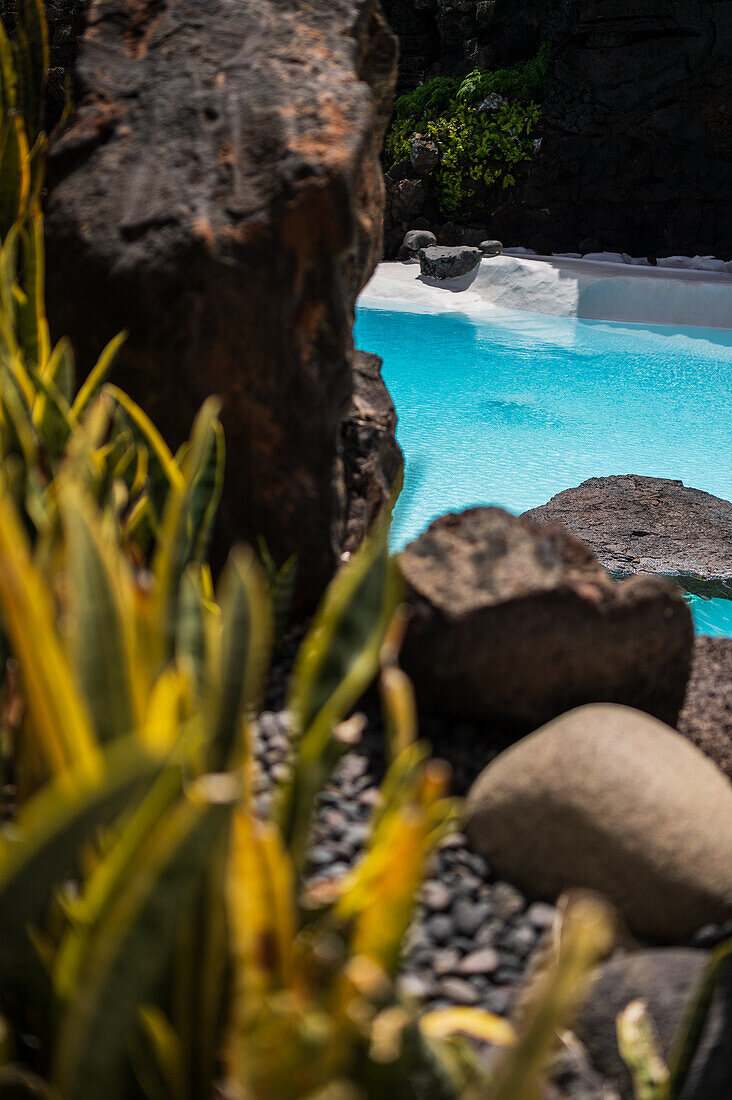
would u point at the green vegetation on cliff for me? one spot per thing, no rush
(482, 125)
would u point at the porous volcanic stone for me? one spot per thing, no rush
(666, 979)
(443, 262)
(706, 718)
(513, 624)
(612, 800)
(491, 248)
(218, 192)
(650, 525)
(371, 455)
(414, 240)
(424, 155)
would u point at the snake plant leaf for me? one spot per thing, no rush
(190, 631)
(8, 272)
(474, 1022)
(51, 418)
(689, 1035)
(108, 671)
(335, 664)
(196, 485)
(260, 897)
(206, 490)
(163, 474)
(96, 377)
(61, 370)
(246, 637)
(43, 846)
(639, 1047)
(8, 76)
(586, 935)
(31, 319)
(129, 945)
(32, 37)
(14, 174)
(57, 715)
(158, 1057)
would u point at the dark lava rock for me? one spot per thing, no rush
(372, 458)
(414, 240)
(666, 979)
(491, 248)
(423, 155)
(706, 718)
(218, 192)
(443, 262)
(406, 199)
(650, 525)
(513, 624)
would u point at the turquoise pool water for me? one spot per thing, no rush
(514, 407)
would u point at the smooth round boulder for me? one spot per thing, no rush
(444, 262)
(491, 248)
(609, 799)
(414, 240)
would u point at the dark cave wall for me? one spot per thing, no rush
(637, 133)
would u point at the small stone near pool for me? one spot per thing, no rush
(443, 262)
(609, 799)
(414, 240)
(513, 624)
(491, 248)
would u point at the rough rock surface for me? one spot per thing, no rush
(612, 800)
(439, 262)
(413, 241)
(640, 524)
(65, 19)
(707, 715)
(218, 191)
(636, 150)
(513, 624)
(666, 979)
(372, 458)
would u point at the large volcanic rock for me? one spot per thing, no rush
(218, 192)
(608, 799)
(650, 525)
(707, 715)
(513, 624)
(372, 457)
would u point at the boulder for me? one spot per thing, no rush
(372, 457)
(491, 248)
(513, 624)
(443, 262)
(609, 799)
(423, 155)
(706, 718)
(650, 525)
(414, 240)
(666, 979)
(218, 192)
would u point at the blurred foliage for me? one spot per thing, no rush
(482, 126)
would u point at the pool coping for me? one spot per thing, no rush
(563, 287)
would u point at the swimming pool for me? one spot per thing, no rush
(512, 407)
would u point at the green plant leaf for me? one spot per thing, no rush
(129, 945)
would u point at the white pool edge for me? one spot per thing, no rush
(560, 287)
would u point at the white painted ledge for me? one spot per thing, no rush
(562, 287)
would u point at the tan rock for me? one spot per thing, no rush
(610, 799)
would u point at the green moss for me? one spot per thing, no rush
(480, 150)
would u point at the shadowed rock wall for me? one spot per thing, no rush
(218, 192)
(637, 134)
